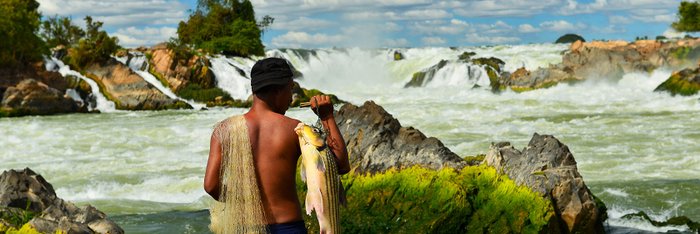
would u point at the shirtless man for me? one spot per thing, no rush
(275, 145)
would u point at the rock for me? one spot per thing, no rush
(31, 97)
(421, 78)
(28, 190)
(398, 55)
(179, 74)
(547, 166)
(523, 80)
(466, 56)
(300, 95)
(685, 82)
(569, 38)
(128, 90)
(576, 45)
(376, 142)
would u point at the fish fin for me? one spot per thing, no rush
(309, 206)
(319, 205)
(302, 172)
(343, 199)
(319, 164)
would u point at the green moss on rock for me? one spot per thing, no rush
(418, 200)
(304, 95)
(685, 83)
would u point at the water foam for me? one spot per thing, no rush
(103, 105)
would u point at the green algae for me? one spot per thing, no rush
(676, 84)
(475, 199)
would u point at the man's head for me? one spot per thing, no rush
(271, 81)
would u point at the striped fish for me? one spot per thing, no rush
(320, 172)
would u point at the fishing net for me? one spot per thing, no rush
(239, 209)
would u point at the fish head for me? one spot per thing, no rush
(310, 135)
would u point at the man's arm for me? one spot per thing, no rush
(335, 141)
(211, 176)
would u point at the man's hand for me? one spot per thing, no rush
(322, 106)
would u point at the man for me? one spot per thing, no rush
(253, 157)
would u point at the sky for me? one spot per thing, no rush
(392, 23)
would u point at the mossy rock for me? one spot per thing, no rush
(199, 94)
(398, 55)
(684, 83)
(569, 38)
(304, 95)
(674, 221)
(492, 62)
(420, 78)
(24, 229)
(419, 200)
(466, 56)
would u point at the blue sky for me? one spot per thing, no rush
(393, 23)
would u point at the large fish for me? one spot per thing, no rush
(320, 172)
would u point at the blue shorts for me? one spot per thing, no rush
(296, 227)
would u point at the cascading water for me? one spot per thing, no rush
(233, 75)
(138, 64)
(103, 104)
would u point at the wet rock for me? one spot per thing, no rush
(27, 190)
(685, 83)
(128, 90)
(523, 80)
(180, 73)
(421, 78)
(31, 97)
(398, 55)
(547, 166)
(376, 141)
(466, 56)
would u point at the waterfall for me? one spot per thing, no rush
(138, 64)
(232, 75)
(103, 104)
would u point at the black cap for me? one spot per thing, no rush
(270, 71)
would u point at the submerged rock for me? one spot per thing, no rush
(128, 90)
(25, 191)
(421, 78)
(685, 82)
(376, 141)
(547, 166)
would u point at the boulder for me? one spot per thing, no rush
(547, 167)
(128, 90)
(685, 82)
(523, 80)
(179, 74)
(569, 38)
(31, 97)
(421, 78)
(376, 141)
(26, 190)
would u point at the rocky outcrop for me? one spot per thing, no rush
(547, 166)
(685, 82)
(31, 97)
(376, 141)
(180, 73)
(128, 90)
(421, 78)
(523, 80)
(491, 65)
(26, 191)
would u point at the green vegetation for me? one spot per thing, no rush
(677, 84)
(25, 229)
(61, 31)
(466, 56)
(19, 42)
(570, 38)
(475, 199)
(222, 26)
(95, 47)
(16, 221)
(688, 17)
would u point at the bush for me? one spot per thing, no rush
(420, 200)
(570, 38)
(96, 47)
(199, 94)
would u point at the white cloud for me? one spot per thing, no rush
(302, 23)
(661, 18)
(401, 42)
(118, 12)
(432, 27)
(433, 41)
(479, 39)
(618, 19)
(527, 28)
(301, 39)
(495, 8)
(561, 26)
(135, 37)
(672, 33)
(426, 14)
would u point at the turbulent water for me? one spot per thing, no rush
(636, 149)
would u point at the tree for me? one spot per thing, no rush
(95, 47)
(265, 23)
(61, 31)
(223, 26)
(569, 38)
(19, 24)
(688, 17)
